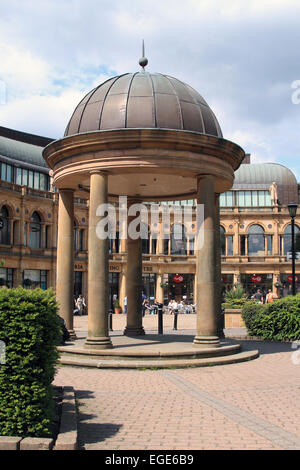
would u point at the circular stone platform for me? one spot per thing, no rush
(153, 351)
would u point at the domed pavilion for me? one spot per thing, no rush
(149, 137)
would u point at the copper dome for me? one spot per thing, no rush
(143, 100)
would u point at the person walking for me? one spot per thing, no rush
(80, 304)
(270, 296)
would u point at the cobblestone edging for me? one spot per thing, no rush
(67, 433)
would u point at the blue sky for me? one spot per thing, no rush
(243, 57)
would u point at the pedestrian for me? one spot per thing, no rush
(75, 309)
(258, 297)
(80, 304)
(125, 304)
(270, 296)
(144, 306)
(175, 307)
(170, 307)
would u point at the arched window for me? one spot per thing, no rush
(178, 240)
(256, 240)
(222, 241)
(287, 239)
(4, 226)
(35, 231)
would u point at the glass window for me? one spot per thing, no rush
(77, 283)
(261, 198)
(113, 289)
(178, 240)
(243, 245)
(222, 200)
(287, 239)
(149, 281)
(43, 182)
(9, 173)
(154, 245)
(227, 199)
(3, 171)
(268, 201)
(4, 226)
(248, 198)
(222, 241)
(34, 278)
(230, 245)
(269, 244)
(30, 179)
(36, 180)
(145, 239)
(6, 277)
(192, 244)
(256, 240)
(19, 176)
(35, 231)
(254, 199)
(240, 198)
(25, 177)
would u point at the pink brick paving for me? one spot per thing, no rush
(252, 405)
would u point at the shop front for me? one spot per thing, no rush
(286, 284)
(181, 287)
(35, 278)
(253, 282)
(6, 277)
(227, 282)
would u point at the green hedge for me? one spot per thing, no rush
(278, 320)
(30, 329)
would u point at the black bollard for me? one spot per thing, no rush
(160, 319)
(110, 320)
(175, 320)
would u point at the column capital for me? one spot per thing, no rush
(66, 189)
(99, 172)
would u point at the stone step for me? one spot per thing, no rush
(157, 364)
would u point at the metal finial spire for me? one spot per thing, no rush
(143, 60)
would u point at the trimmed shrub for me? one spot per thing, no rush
(250, 312)
(278, 320)
(30, 329)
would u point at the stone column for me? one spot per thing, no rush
(134, 283)
(65, 258)
(218, 266)
(122, 289)
(159, 294)
(98, 272)
(206, 268)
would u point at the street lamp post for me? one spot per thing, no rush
(293, 211)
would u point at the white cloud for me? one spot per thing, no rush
(242, 56)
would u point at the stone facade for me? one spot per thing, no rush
(22, 202)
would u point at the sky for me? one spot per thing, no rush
(242, 56)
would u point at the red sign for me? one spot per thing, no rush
(178, 278)
(290, 278)
(256, 278)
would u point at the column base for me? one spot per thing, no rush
(134, 331)
(72, 335)
(98, 342)
(207, 341)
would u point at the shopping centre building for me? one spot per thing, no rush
(255, 230)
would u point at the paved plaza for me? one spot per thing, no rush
(250, 405)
